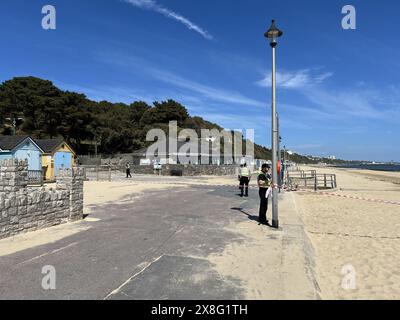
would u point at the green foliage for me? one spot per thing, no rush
(34, 100)
(137, 110)
(198, 123)
(42, 110)
(164, 112)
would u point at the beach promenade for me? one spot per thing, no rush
(164, 238)
(195, 238)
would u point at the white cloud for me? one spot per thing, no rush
(205, 92)
(347, 105)
(358, 101)
(295, 79)
(211, 93)
(347, 102)
(113, 94)
(154, 6)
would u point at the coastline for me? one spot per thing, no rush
(370, 167)
(364, 235)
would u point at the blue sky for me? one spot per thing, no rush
(338, 90)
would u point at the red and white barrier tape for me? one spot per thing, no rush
(275, 186)
(331, 194)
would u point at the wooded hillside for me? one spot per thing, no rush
(42, 110)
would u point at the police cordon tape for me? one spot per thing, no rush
(329, 194)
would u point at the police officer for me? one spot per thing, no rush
(128, 170)
(245, 176)
(264, 182)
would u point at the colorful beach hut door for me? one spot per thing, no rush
(62, 160)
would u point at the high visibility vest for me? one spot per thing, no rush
(268, 180)
(245, 172)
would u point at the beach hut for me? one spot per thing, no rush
(57, 154)
(21, 148)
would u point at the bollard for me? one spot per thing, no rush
(315, 183)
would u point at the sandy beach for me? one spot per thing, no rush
(362, 235)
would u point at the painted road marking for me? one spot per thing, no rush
(48, 253)
(147, 265)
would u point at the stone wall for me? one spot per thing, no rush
(189, 170)
(71, 181)
(24, 209)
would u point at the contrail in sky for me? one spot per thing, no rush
(154, 6)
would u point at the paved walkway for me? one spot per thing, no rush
(197, 242)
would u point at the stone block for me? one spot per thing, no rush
(14, 220)
(25, 209)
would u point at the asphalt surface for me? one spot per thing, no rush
(151, 248)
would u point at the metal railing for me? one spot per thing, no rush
(35, 177)
(311, 179)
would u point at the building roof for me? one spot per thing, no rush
(49, 145)
(10, 142)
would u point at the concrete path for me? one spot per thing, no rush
(196, 242)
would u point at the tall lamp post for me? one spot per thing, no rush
(284, 164)
(273, 34)
(279, 154)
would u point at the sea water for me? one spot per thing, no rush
(376, 167)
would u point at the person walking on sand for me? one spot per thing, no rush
(128, 170)
(244, 177)
(264, 182)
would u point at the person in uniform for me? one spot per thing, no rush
(264, 182)
(128, 170)
(244, 177)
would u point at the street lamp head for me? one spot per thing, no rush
(273, 34)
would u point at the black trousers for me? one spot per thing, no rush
(262, 218)
(244, 185)
(128, 173)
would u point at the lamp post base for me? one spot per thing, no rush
(275, 224)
